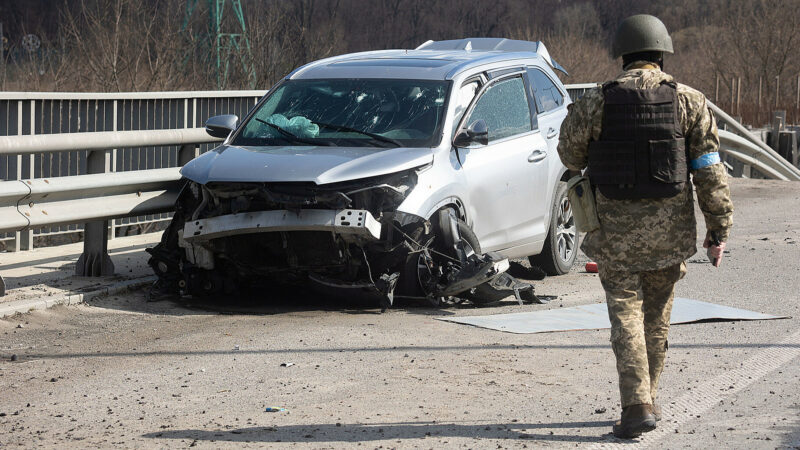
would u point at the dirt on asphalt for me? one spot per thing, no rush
(122, 372)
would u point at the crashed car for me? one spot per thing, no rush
(415, 173)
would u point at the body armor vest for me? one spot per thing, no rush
(641, 152)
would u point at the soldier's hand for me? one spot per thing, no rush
(715, 251)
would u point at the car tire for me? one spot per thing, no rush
(448, 240)
(410, 283)
(561, 245)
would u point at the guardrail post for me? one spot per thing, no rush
(787, 146)
(186, 153)
(95, 262)
(112, 224)
(23, 240)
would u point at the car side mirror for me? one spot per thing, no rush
(477, 132)
(221, 126)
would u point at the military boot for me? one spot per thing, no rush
(636, 419)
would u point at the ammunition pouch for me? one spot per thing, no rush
(584, 208)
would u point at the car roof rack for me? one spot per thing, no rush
(494, 45)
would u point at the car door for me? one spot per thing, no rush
(550, 107)
(503, 198)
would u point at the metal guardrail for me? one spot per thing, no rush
(46, 113)
(94, 198)
(749, 149)
(66, 200)
(37, 202)
(576, 91)
(102, 140)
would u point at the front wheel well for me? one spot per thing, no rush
(451, 203)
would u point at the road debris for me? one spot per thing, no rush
(591, 267)
(287, 364)
(274, 409)
(518, 270)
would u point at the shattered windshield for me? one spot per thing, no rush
(349, 112)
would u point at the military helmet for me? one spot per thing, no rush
(641, 33)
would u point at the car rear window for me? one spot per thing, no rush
(547, 95)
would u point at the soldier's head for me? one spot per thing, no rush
(642, 38)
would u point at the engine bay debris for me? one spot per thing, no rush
(346, 237)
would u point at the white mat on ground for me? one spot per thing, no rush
(595, 316)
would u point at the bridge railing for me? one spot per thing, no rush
(67, 114)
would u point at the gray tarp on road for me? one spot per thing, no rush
(595, 316)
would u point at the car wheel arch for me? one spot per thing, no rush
(454, 203)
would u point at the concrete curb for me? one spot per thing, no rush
(24, 306)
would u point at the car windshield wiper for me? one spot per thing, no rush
(374, 136)
(290, 136)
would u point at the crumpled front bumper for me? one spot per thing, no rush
(349, 223)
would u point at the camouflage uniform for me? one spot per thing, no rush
(641, 244)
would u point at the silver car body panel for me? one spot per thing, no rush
(346, 222)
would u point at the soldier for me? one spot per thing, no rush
(641, 135)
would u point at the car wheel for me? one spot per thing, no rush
(417, 275)
(561, 245)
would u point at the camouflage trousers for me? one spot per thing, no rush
(639, 307)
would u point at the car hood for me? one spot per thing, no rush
(320, 165)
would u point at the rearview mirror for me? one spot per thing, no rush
(221, 126)
(477, 132)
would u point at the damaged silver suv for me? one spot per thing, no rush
(399, 172)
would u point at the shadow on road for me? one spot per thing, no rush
(791, 438)
(394, 431)
(278, 299)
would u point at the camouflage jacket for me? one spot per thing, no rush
(651, 234)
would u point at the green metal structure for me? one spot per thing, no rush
(225, 45)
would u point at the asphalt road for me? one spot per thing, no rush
(123, 372)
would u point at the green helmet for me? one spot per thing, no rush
(641, 33)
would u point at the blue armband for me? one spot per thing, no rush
(709, 159)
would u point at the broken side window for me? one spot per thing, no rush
(505, 109)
